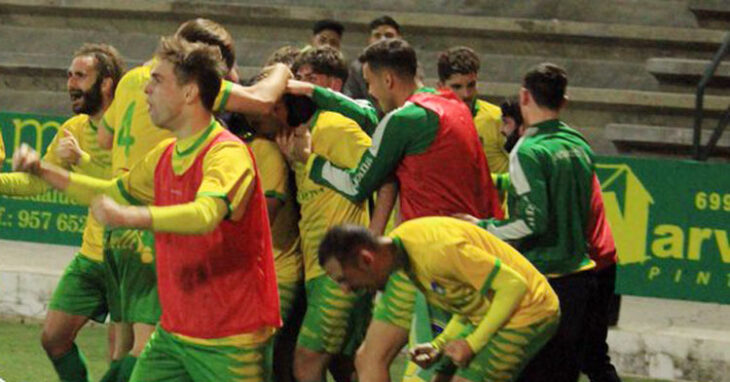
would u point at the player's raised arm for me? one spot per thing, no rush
(259, 98)
(80, 187)
(360, 111)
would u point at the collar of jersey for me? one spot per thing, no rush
(474, 107)
(199, 141)
(401, 255)
(92, 124)
(425, 89)
(550, 123)
(313, 120)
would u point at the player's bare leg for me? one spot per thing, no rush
(59, 332)
(382, 343)
(309, 365)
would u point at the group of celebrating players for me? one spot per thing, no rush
(235, 232)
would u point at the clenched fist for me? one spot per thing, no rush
(25, 159)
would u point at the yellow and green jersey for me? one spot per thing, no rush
(229, 170)
(454, 263)
(95, 162)
(342, 142)
(488, 121)
(275, 182)
(128, 118)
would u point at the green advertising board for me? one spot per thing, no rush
(48, 218)
(671, 221)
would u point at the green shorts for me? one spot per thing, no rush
(508, 351)
(169, 358)
(396, 304)
(130, 260)
(335, 321)
(82, 290)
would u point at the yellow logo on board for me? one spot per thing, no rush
(630, 221)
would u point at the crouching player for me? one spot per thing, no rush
(503, 309)
(215, 267)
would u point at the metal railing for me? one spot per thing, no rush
(697, 151)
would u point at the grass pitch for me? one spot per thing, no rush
(23, 360)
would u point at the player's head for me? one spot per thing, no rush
(324, 66)
(458, 69)
(383, 27)
(386, 64)
(350, 256)
(186, 80)
(513, 125)
(93, 76)
(286, 55)
(211, 33)
(327, 32)
(269, 124)
(543, 87)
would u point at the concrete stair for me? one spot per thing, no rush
(654, 12)
(711, 13)
(621, 61)
(664, 140)
(685, 74)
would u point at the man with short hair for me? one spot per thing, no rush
(552, 182)
(327, 32)
(333, 317)
(285, 55)
(217, 284)
(503, 309)
(83, 292)
(596, 363)
(383, 27)
(130, 132)
(429, 142)
(458, 70)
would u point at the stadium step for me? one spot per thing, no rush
(711, 13)
(35, 101)
(606, 60)
(661, 139)
(435, 30)
(597, 55)
(16, 61)
(589, 109)
(47, 72)
(688, 72)
(654, 12)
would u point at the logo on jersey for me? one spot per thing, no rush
(438, 288)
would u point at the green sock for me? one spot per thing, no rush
(71, 367)
(113, 372)
(125, 369)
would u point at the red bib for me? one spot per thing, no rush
(452, 176)
(221, 283)
(601, 247)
